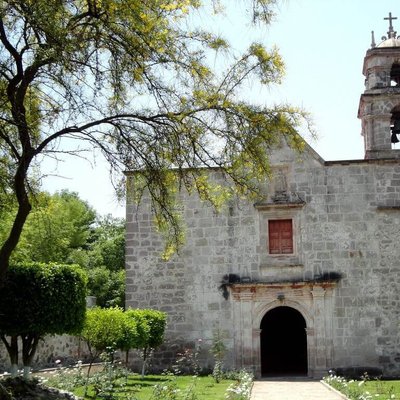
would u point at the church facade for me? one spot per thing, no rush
(304, 281)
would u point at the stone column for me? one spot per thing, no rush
(318, 294)
(311, 357)
(237, 331)
(257, 352)
(243, 336)
(247, 329)
(329, 326)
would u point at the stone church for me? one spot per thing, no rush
(307, 279)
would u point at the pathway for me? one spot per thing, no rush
(293, 389)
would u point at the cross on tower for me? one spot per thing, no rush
(391, 32)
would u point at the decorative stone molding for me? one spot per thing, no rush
(314, 300)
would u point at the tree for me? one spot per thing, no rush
(107, 243)
(132, 78)
(57, 226)
(103, 257)
(108, 329)
(38, 300)
(151, 327)
(103, 328)
(62, 228)
(107, 286)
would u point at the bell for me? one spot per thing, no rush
(394, 139)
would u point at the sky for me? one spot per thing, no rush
(323, 44)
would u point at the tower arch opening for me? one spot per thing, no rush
(395, 74)
(395, 125)
(283, 341)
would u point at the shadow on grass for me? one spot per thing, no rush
(149, 379)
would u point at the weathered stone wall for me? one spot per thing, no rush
(68, 349)
(348, 224)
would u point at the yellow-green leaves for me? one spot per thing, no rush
(179, 5)
(271, 66)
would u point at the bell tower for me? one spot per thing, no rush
(379, 108)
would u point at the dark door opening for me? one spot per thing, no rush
(283, 343)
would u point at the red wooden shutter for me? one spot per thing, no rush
(280, 234)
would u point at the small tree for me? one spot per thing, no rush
(142, 329)
(151, 325)
(38, 300)
(103, 328)
(132, 336)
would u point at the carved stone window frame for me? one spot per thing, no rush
(268, 212)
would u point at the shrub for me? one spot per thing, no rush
(37, 300)
(104, 328)
(151, 325)
(242, 389)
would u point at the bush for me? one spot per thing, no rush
(104, 328)
(37, 300)
(151, 325)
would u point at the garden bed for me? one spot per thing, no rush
(366, 389)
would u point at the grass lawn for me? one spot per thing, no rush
(377, 389)
(204, 387)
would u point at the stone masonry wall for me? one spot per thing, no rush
(68, 349)
(349, 224)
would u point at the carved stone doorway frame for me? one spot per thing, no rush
(314, 300)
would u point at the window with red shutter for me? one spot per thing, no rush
(280, 233)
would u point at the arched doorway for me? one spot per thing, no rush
(283, 343)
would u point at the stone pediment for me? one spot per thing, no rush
(325, 281)
(280, 202)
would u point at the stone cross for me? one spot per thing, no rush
(391, 32)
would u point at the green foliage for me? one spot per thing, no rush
(365, 389)
(112, 328)
(218, 350)
(64, 378)
(106, 383)
(169, 390)
(37, 300)
(153, 324)
(63, 228)
(241, 390)
(108, 243)
(57, 225)
(43, 299)
(138, 388)
(103, 328)
(103, 256)
(108, 286)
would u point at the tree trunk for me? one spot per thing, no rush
(24, 208)
(92, 358)
(30, 342)
(144, 361)
(126, 358)
(12, 350)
